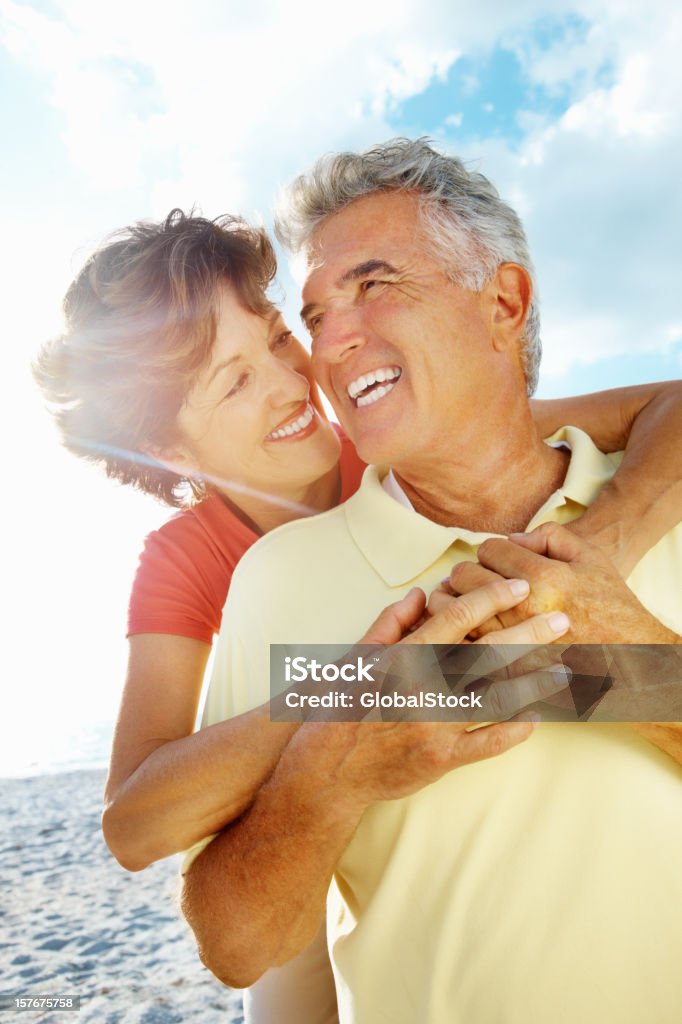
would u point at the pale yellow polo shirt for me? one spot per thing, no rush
(541, 887)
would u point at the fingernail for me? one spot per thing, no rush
(558, 622)
(562, 673)
(513, 536)
(534, 719)
(519, 588)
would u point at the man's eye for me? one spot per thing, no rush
(314, 324)
(238, 385)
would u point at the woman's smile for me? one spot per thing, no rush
(253, 418)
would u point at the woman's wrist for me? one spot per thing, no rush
(605, 527)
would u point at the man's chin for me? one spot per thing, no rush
(375, 454)
(376, 447)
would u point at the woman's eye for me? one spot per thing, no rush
(238, 385)
(282, 339)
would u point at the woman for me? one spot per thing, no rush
(179, 375)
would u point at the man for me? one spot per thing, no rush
(544, 885)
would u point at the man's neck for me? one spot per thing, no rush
(494, 486)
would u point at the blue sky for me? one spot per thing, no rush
(481, 96)
(116, 112)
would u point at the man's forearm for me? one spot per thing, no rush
(256, 896)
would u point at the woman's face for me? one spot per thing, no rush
(253, 418)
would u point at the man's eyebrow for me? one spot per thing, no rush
(368, 267)
(354, 274)
(307, 310)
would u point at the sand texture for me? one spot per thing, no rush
(73, 922)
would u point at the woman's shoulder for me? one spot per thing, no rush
(185, 569)
(207, 527)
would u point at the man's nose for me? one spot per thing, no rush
(340, 335)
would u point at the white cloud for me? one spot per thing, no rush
(204, 92)
(625, 109)
(219, 104)
(598, 187)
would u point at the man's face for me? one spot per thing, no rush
(402, 353)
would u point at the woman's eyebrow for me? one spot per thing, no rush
(276, 324)
(219, 367)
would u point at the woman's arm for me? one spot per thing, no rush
(166, 788)
(643, 500)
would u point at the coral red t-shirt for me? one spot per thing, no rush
(186, 566)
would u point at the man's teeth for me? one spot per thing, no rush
(296, 426)
(374, 396)
(385, 373)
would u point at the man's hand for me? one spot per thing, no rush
(390, 760)
(568, 574)
(508, 670)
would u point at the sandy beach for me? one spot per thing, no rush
(72, 922)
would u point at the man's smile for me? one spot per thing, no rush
(372, 386)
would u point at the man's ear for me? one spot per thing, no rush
(512, 292)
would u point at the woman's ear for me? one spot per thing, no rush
(513, 292)
(175, 458)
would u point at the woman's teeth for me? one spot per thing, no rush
(358, 389)
(295, 427)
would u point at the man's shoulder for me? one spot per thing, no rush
(290, 587)
(292, 543)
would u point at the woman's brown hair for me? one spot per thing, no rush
(140, 322)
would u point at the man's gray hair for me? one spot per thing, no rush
(467, 227)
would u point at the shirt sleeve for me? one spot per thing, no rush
(181, 584)
(191, 855)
